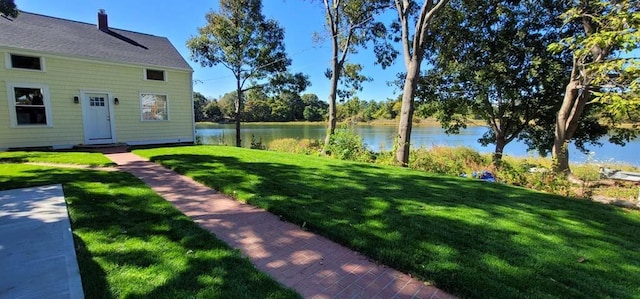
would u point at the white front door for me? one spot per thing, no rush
(97, 118)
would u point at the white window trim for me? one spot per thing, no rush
(154, 120)
(11, 101)
(9, 65)
(144, 75)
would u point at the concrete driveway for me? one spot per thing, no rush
(37, 254)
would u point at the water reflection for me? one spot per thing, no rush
(381, 138)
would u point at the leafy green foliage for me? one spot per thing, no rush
(284, 106)
(250, 46)
(345, 144)
(8, 8)
(493, 65)
(604, 71)
(212, 112)
(351, 79)
(448, 160)
(351, 24)
(227, 104)
(205, 109)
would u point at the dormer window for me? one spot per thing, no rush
(155, 75)
(26, 62)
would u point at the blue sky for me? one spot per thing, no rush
(179, 21)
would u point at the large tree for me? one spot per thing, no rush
(414, 44)
(350, 23)
(493, 64)
(601, 72)
(240, 38)
(199, 103)
(314, 108)
(8, 8)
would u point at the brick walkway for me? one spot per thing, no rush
(312, 265)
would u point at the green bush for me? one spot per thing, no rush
(345, 144)
(513, 172)
(448, 160)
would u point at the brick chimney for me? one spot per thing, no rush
(103, 23)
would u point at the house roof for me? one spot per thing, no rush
(70, 38)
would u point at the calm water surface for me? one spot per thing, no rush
(380, 138)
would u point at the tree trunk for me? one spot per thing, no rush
(333, 11)
(566, 124)
(497, 154)
(406, 113)
(332, 102)
(237, 113)
(575, 98)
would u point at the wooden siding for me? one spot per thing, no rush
(66, 78)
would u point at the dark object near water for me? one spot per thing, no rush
(485, 176)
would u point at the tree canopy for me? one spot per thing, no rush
(493, 65)
(241, 39)
(8, 8)
(603, 70)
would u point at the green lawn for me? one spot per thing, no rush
(474, 239)
(91, 159)
(131, 243)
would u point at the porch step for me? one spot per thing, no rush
(110, 148)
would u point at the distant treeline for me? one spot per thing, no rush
(284, 107)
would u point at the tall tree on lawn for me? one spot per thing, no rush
(239, 38)
(493, 65)
(351, 24)
(413, 50)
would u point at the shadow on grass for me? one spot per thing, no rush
(131, 243)
(471, 238)
(94, 282)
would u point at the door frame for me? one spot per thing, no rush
(84, 102)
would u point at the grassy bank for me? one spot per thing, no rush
(529, 172)
(131, 243)
(474, 239)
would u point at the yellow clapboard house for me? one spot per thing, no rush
(65, 83)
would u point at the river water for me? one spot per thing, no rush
(381, 138)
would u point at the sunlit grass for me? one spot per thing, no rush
(131, 243)
(474, 239)
(92, 159)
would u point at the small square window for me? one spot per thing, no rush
(26, 62)
(157, 75)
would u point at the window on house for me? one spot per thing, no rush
(154, 107)
(29, 105)
(157, 75)
(26, 62)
